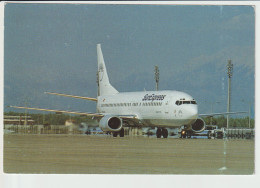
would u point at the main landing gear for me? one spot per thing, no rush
(121, 133)
(162, 132)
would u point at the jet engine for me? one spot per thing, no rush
(198, 126)
(110, 123)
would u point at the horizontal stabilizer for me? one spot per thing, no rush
(223, 113)
(73, 96)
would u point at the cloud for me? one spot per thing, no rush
(239, 23)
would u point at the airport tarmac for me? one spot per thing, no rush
(94, 154)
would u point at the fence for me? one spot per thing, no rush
(240, 133)
(41, 129)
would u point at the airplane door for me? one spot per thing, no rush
(166, 108)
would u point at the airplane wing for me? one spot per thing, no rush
(73, 96)
(61, 111)
(95, 115)
(223, 113)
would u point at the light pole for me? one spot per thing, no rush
(156, 77)
(229, 73)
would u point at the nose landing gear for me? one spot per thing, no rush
(186, 134)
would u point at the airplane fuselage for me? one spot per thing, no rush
(152, 108)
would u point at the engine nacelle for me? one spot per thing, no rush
(198, 126)
(111, 123)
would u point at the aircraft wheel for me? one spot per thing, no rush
(114, 134)
(122, 132)
(209, 135)
(165, 133)
(189, 133)
(159, 133)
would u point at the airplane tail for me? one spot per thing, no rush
(104, 86)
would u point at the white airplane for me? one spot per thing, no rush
(160, 109)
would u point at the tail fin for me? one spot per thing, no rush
(104, 86)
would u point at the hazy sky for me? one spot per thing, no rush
(52, 47)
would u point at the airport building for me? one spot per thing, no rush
(18, 120)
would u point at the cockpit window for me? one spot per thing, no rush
(181, 101)
(178, 102)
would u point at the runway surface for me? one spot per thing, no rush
(81, 154)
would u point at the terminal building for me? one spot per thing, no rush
(18, 120)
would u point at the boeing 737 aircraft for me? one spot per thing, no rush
(160, 109)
